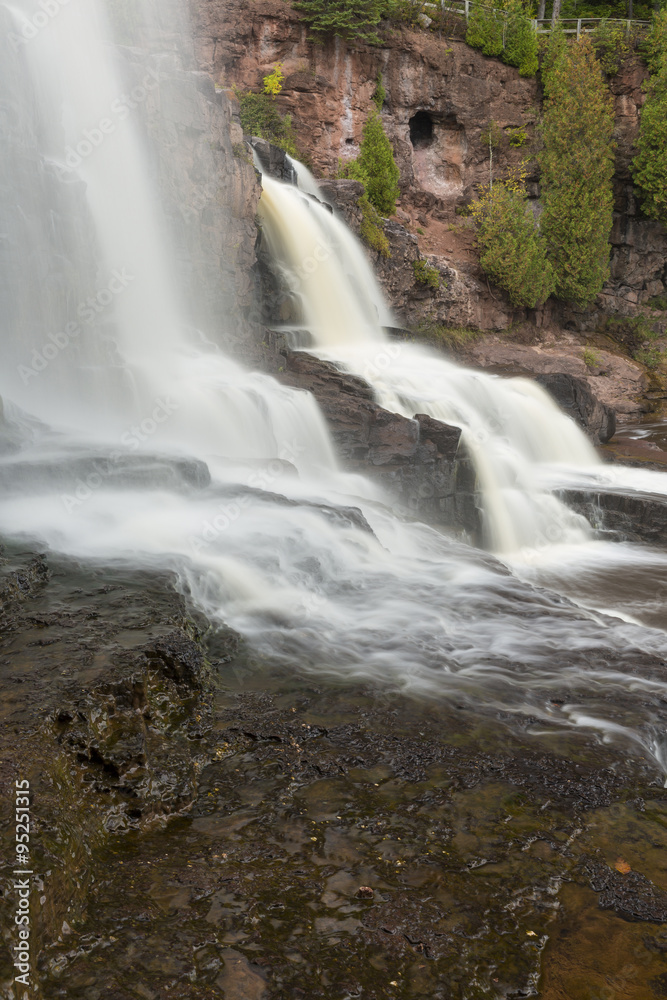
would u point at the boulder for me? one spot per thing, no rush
(420, 460)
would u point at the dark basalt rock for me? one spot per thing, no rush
(631, 517)
(632, 896)
(574, 395)
(274, 161)
(419, 460)
(179, 658)
(105, 669)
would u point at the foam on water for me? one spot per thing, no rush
(141, 442)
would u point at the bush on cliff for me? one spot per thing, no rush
(260, 117)
(375, 166)
(520, 40)
(513, 251)
(654, 46)
(508, 34)
(577, 164)
(347, 19)
(372, 232)
(485, 30)
(650, 164)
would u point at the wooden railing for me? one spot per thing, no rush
(570, 25)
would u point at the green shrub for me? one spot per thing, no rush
(512, 250)
(260, 117)
(425, 274)
(636, 335)
(658, 302)
(654, 46)
(453, 337)
(591, 358)
(649, 167)
(507, 33)
(371, 229)
(485, 30)
(375, 167)
(517, 137)
(650, 357)
(577, 166)
(611, 45)
(349, 19)
(520, 48)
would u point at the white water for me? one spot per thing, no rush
(94, 443)
(511, 427)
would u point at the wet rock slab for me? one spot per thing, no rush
(627, 516)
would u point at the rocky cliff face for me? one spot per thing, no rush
(440, 96)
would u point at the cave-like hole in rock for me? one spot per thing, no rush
(421, 129)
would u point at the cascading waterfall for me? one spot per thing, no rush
(126, 436)
(511, 427)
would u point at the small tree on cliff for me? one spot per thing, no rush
(513, 252)
(650, 164)
(375, 166)
(577, 168)
(346, 18)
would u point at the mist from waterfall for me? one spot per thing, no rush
(129, 436)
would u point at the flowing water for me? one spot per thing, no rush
(130, 437)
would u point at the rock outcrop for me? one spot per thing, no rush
(625, 516)
(419, 461)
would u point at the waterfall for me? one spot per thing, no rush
(128, 435)
(511, 427)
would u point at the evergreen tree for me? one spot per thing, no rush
(520, 40)
(513, 252)
(485, 30)
(375, 166)
(650, 164)
(346, 18)
(577, 165)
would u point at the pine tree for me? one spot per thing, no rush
(577, 165)
(513, 252)
(375, 166)
(346, 18)
(485, 30)
(650, 164)
(520, 48)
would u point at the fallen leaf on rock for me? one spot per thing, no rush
(622, 866)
